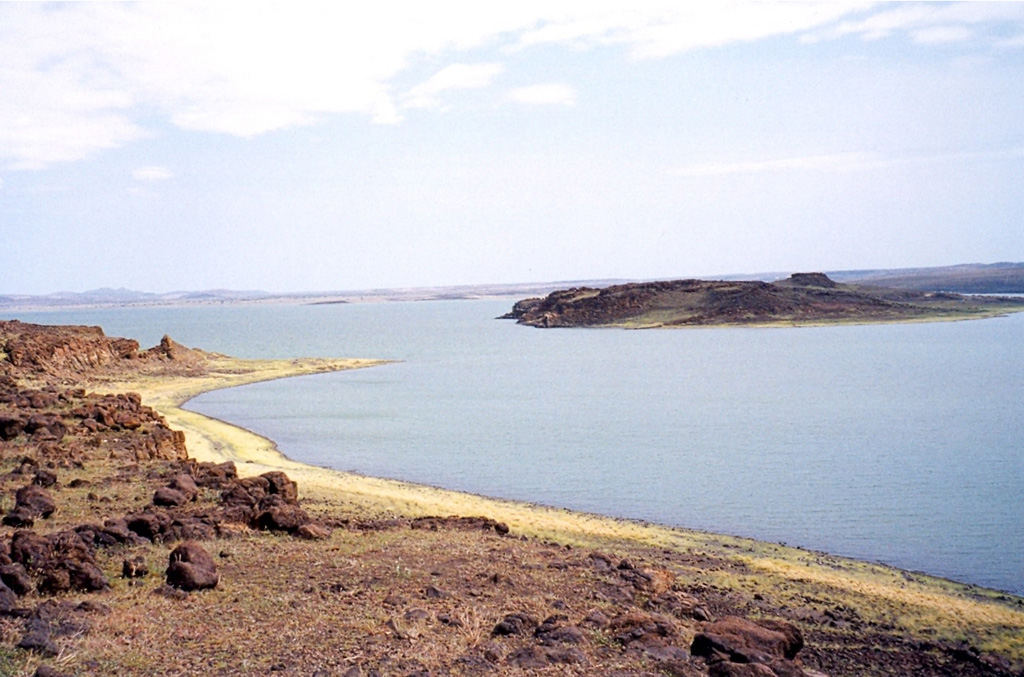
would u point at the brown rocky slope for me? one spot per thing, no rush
(120, 555)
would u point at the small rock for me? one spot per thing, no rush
(281, 485)
(745, 641)
(44, 478)
(166, 496)
(16, 578)
(282, 518)
(191, 568)
(170, 592)
(184, 484)
(514, 624)
(313, 532)
(528, 658)
(47, 671)
(432, 592)
(135, 567)
(38, 638)
(8, 600)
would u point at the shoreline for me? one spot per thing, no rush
(922, 604)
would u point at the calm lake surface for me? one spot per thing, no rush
(895, 443)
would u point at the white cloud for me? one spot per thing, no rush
(929, 23)
(938, 35)
(78, 78)
(840, 162)
(151, 174)
(543, 94)
(831, 162)
(455, 76)
(1012, 43)
(655, 29)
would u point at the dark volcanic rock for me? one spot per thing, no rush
(15, 577)
(30, 549)
(554, 631)
(733, 646)
(745, 641)
(191, 568)
(283, 517)
(44, 478)
(38, 638)
(71, 566)
(34, 501)
(48, 671)
(8, 600)
(643, 629)
(10, 426)
(168, 497)
(135, 567)
(514, 624)
(809, 280)
(215, 475)
(150, 525)
(185, 485)
(279, 484)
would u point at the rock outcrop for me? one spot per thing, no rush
(69, 352)
(191, 568)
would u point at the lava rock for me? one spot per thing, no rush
(192, 568)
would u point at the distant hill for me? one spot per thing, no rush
(968, 278)
(107, 297)
(803, 298)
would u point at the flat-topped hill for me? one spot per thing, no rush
(803, 298)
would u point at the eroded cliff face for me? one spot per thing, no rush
(70, 352)
(61, 350)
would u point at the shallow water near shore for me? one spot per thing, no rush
(894, 443)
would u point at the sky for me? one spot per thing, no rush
(320, 146)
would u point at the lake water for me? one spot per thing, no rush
(893, 443)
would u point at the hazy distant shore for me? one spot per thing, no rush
(971, 278)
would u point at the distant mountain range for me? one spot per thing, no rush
(106, 297)
(968, 278)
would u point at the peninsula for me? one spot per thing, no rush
(801, 299)
(139, 538)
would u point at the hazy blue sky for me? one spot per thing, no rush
(322, 146)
